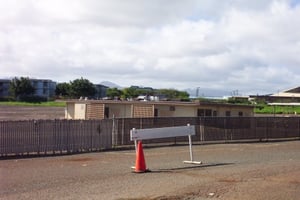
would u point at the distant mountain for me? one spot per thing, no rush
(207, 92)
(110, 84)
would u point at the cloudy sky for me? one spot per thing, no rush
(249, 46)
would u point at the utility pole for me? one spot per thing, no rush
(197, 92)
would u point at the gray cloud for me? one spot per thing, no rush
(250, 46)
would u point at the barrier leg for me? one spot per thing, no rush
(191, 154)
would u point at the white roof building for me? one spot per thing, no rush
(293, 92)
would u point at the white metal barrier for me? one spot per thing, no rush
(155, 133)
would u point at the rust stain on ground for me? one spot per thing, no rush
(80, 159)
(228, 180)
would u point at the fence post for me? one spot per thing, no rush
(225, 129)
(173, 124)
(141, 123)
(254, 126)
(114, 137)
(68, 139)
(299, 127)
(123, 131)
(267, 129)
(91, 123)
(201, 129)
(38, 136)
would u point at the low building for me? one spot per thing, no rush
(290, 95)
(101, 109)
(286, 96)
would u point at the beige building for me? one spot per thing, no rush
(100, 109)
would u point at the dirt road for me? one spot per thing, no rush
(230, 171)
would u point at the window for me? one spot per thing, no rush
(106, 112)
(227, 113)
(200, 113)
(35, 84)
(172, 108)
(215, 113)
(45, 84)
(155, 112)
(241, 114)
(204, 112)
(208, 112)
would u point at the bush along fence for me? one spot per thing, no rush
(50, 137)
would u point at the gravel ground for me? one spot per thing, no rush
(229, 171)
(31, 112)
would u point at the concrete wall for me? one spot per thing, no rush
(119, 110)
(234, 111)
(80, 111)
(174, 111)
(69, 111)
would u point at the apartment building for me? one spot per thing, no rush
(4, 87)
(43, 87)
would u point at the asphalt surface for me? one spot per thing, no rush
(229, 171)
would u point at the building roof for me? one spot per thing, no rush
(171, 103)
(293, 92)
(284, 104)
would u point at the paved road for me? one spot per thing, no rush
(230, 171)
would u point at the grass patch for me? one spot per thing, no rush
(46, 104)
(267, 109)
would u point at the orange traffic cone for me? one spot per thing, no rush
(140, 164)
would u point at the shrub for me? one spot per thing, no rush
(33, 98)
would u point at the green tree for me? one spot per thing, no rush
(82, 88)
(183, 95)
(21, 87)
(129, 93)
(174, 94)
(114, 92)
(134, 91)
(63, 89)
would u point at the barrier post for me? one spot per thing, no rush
(191, 152)
(135, 141)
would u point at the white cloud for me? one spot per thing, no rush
(252, 46)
